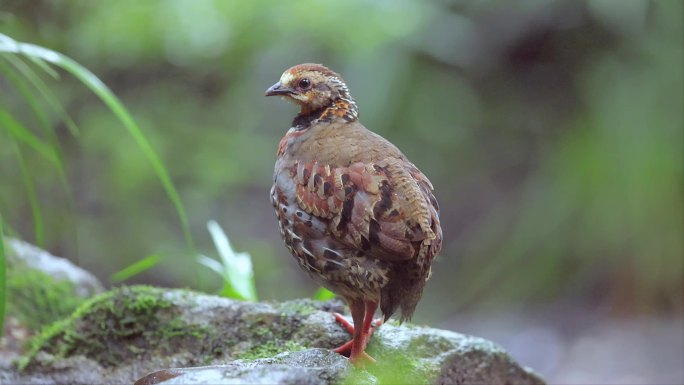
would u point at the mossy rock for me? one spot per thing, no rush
(125, 324)
(37, 299)
(143, 328)
(124, 334)
(43, 288)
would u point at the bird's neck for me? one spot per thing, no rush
(343, 108)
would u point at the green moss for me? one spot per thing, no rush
(263, 331)
(271, 334)
(118, 326)
(393, 367)
(270, 349)
(429, 345)
(413, 365)
(396, 322)
(302, 308)
(37, 299)
(266, 327)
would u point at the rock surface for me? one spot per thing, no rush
(123, 335)
(305, 367)
(22, 254)
(41, 289)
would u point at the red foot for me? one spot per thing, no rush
(362, 359)
(346, 348)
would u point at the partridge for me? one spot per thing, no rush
(355, 213)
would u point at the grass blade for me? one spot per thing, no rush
(211, 263)
(43, 88)
(44, 66)
(235, 268)
(22, 134)
(41, 117)
(120, 111)
(28, 95)
(9, 45)
(3, 280)
(36, 212)
(136, 268)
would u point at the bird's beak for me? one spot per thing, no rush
(278, 89)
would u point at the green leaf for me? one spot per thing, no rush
(323, 294)
(30, 98)
(36, 212)
(22, 134)
(43, 89)
(234, 268)
(44, 66)
(3, 280)
(136, 268)
(39, 113)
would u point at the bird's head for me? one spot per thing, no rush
(313, 87)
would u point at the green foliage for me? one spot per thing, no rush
(3, 282)
(397, 368)
(234, 268)
(137, 267)
(323, 294)
(12, 51)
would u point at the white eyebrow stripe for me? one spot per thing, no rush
(286, 78)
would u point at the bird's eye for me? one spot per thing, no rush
(304, 83)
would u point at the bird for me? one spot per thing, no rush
(355, 213)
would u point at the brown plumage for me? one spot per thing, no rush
(357, 215)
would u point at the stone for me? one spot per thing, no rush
(24, 255)
(170, 336)
(305, 367)
(41, 289)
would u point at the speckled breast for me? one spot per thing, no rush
(343, 270)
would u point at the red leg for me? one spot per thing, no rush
(345, 324)
(368, 321)
(345, 349)
(362, 314)
(359, 341)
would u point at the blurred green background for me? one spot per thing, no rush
(553, 132)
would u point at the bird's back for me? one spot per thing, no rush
(340, 143)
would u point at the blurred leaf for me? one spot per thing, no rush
(89, 79)
(3, 278)
(323, 294)
(21, 133)
(36, 212)
(52, 151)
(17, 132)
(31, 99)
(235, 268)
(211, 263)
(44, 66)
(43, 88)
(136, 268)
